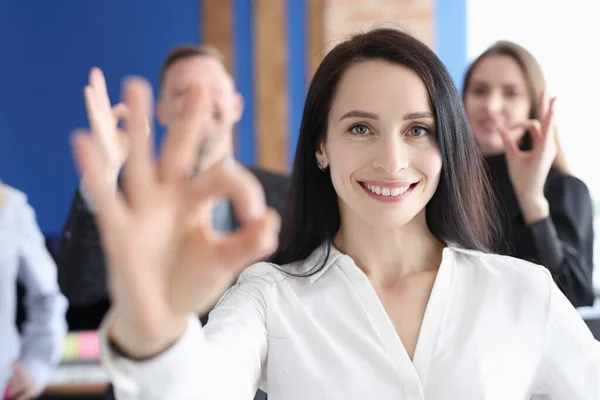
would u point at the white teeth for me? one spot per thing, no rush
(386, 191)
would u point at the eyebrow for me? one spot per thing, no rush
(366, 114)
(418, 115)
(504, 85)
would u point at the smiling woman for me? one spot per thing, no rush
(413, 132)
(387, 286)
(390, 149)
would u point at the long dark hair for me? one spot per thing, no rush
(460, 212)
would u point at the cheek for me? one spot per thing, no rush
(341, 164)
(175, 107)
(472, 105)
(518, 110)
(343, 161)
(429, 163)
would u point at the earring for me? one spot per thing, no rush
(320, 165)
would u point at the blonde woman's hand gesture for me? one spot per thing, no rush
(528, 170)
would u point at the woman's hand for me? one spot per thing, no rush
(21, 386)
(164, 260)
(528, 170)
(110, 142)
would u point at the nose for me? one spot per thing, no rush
(391, 153)
(493, 103)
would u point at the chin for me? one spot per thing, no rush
(390, 221)
(490, 145)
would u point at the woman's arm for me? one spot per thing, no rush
(223, 360)
(570, 364)
(564, 239)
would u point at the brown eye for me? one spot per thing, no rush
(478, 91)
(511, 93)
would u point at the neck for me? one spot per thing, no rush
(387, 256)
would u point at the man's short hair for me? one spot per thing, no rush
(186, 51)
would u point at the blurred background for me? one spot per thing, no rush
(272, 47)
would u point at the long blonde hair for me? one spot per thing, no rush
(535, 82)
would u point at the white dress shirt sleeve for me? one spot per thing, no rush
(570, 365)
(223, 360)
(46, 327)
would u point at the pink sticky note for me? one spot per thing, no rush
(89, 348)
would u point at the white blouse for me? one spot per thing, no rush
(495, 328)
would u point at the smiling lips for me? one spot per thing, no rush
(388, 191)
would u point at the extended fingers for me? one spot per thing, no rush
(139, 168)
(180, 152)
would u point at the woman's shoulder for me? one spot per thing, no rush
(318, 261)
(262, 276)
(260, 270)
(504, 270)
(495, 261)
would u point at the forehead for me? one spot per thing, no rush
(499, 69)
(381, 87)
(203, 70)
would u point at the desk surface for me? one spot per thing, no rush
(79, 379)
(79, 389)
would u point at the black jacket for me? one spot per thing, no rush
(563, 242)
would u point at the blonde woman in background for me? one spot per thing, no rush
(27, 358)
(547, 214)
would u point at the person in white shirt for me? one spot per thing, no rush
(27, 359)
(383, 285)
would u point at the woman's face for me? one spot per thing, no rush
(496, 96)
(381, 145)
